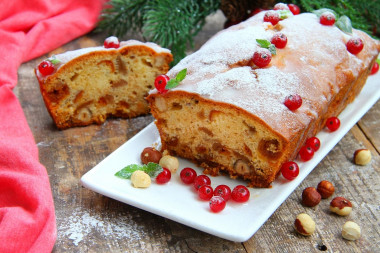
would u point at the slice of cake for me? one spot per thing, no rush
(231, 112)
(88, 85)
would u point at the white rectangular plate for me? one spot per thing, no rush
(179, 202)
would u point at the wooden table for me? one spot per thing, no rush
(90, 222)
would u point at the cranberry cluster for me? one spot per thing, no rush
(217, 197)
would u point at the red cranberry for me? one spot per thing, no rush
(111, 42)
(240, 194)
(160, 83)
(355, 45)
(46, 68)
(293, 102)
(375, 68)
(223, 191)
(327, 18)
(217, 204)
(333, 123)
(188, 175)
(314, 143)
(306, 153)
(262, 57)
(290, 170)
(205, 192)
(294, 9)
(201, 180)
(272, 16)
(279, 40)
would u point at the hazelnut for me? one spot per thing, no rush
(150, 154)
(310, 197)
(140, 179)
(341, 206)
(169, 162)
(326, 189)
(304, 224)
(362, 156)
(351, 231)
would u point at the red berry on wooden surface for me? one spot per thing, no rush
(281, 6)
(240, 194)
(306, 153)
(188, 175)
(333, 123)
(354, 45)
(217, 204)
(205, 192)
(279, 40)
(160, 83)
(224, 191)
(327, 18)
(294, 9)
(46, 68)
(290, 170)
(262, 57)
(293, 102)
(314, 143)
(272, 16)
(201, 180)
(111, 42)
(375, 68)
(164, 176)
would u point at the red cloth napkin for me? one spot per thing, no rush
(28, 29)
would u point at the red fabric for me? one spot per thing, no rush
(28, 29)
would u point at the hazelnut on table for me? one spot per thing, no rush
(310, 197)
(351, 231)
(326, 189)
(304, 224)
(362, 156)
(341, 206)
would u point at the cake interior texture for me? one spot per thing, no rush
(228, 115)
(102, 83)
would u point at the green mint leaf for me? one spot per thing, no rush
(321, 11)
(263, 43)
(272, 49)
(344, 24)
(54, 60)
(152, 169)
(285, 14)
(378, 61)
(181, 75)
(126, 172)
(172, 83)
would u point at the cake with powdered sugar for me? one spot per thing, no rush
(88, 85)
(244, 112)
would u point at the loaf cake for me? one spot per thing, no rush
(86, 86)
(228, 115)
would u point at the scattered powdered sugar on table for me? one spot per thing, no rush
(81, 224)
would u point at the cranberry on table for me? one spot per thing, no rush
(205, 192)
(201, 180)
(160, 83)
(314, 143)
(223, 191)
(164, 176)
(217, 204)
(272, 16)
(355, 45)
(327, 18)
(262, 57)
(240, 194)
(46, 68)
(333, 123)
(188, 175)
(279, 40)
(290, 170)
(293, 102)
(306, 153)
(294, 9)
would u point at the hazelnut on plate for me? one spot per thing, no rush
(310, 197)
(169, 162)
(150, 154)
(304, 224)
(341, 206)
(362, 156)
(140, 179)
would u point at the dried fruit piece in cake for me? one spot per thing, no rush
(91, 84)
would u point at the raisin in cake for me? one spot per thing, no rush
(90, 84)
(229, 115)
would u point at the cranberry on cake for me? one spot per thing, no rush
(244, 112)
(86, 86)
